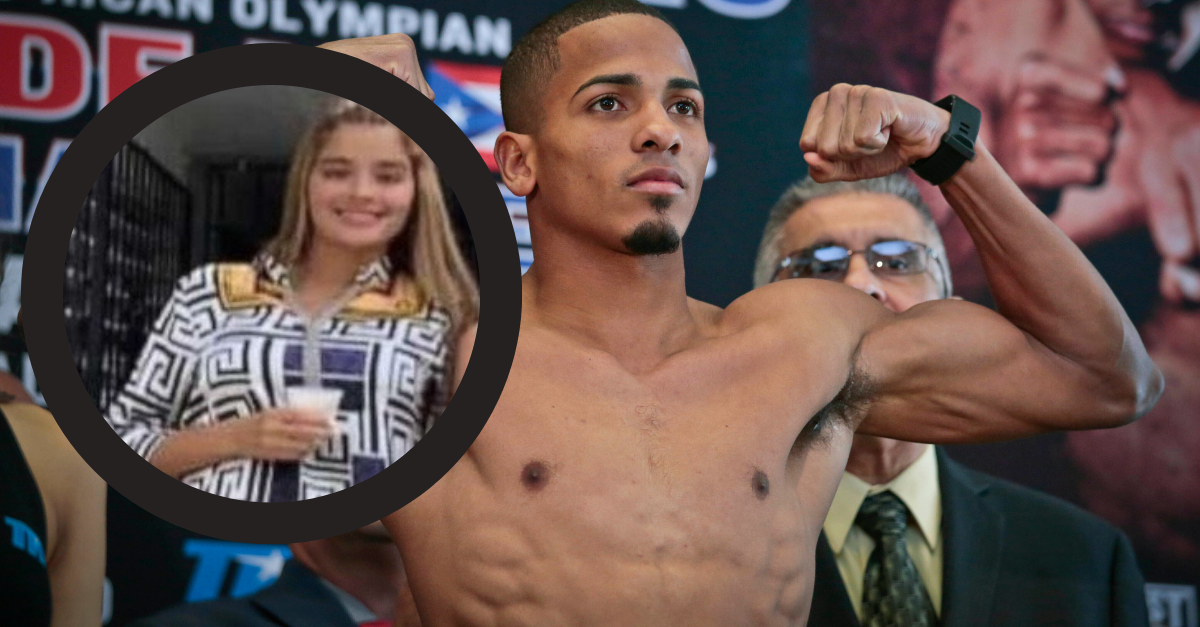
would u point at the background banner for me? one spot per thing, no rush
(1090, 105)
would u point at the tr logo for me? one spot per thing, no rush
(24, 539)
(255, 566)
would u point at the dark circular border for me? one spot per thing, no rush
(245, 66)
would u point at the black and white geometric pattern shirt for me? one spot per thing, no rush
(228, 345)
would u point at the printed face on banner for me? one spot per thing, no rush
(622, 145)
(1046, 66)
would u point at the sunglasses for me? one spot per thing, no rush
(896, 257)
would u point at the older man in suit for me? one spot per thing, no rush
(972, 549)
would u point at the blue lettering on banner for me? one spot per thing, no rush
(24, 539)
(12, 181)
(257, 566)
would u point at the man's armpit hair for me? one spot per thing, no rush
(845, 410)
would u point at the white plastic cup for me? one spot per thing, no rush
(321, 401)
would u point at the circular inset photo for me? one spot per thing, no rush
(271, 293)
(265, 292)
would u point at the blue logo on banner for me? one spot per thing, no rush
(24, 539)
(746, 9)
(257, 566)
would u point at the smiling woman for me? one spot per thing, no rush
(327, 358)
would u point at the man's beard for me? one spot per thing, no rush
(652, 237)
(661, 202)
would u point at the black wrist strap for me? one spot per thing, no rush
(958, 144)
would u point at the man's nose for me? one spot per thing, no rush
(860, 277)
(658, 132)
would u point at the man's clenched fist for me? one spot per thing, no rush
(395, 53)
(857, 132)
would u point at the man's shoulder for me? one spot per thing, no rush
(805, 304)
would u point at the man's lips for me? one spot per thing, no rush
(658, 181)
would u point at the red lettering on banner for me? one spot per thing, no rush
(65, 69)
(130, 53)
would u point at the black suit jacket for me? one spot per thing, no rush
(1013, 557)
(296, 599)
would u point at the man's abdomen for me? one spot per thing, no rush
(600, 534)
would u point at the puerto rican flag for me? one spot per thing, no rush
(470, 95)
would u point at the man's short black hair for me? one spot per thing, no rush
(534, 59)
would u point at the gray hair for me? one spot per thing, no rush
(896, 184)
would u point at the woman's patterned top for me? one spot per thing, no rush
(228, 345)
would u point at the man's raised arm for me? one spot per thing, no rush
(1060, 354)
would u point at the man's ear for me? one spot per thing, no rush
(517, 162)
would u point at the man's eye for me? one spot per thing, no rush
(607, 103)
(685, 107)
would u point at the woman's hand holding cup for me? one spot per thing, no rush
(283, 433)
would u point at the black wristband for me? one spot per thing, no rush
(958, 144)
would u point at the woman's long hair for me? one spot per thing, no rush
(426, 250)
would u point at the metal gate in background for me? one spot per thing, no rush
(128, 248)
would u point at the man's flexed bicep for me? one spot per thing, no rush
(954, 372)
(1060, 354)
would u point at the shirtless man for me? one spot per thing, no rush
(655, 460)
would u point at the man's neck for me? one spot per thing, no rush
(880, 460)
(634, 307)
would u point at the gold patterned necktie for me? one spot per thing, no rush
(893, 593)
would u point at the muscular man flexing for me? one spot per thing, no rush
(655, 460)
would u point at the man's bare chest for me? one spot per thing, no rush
(706, 417)
(592, 483)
